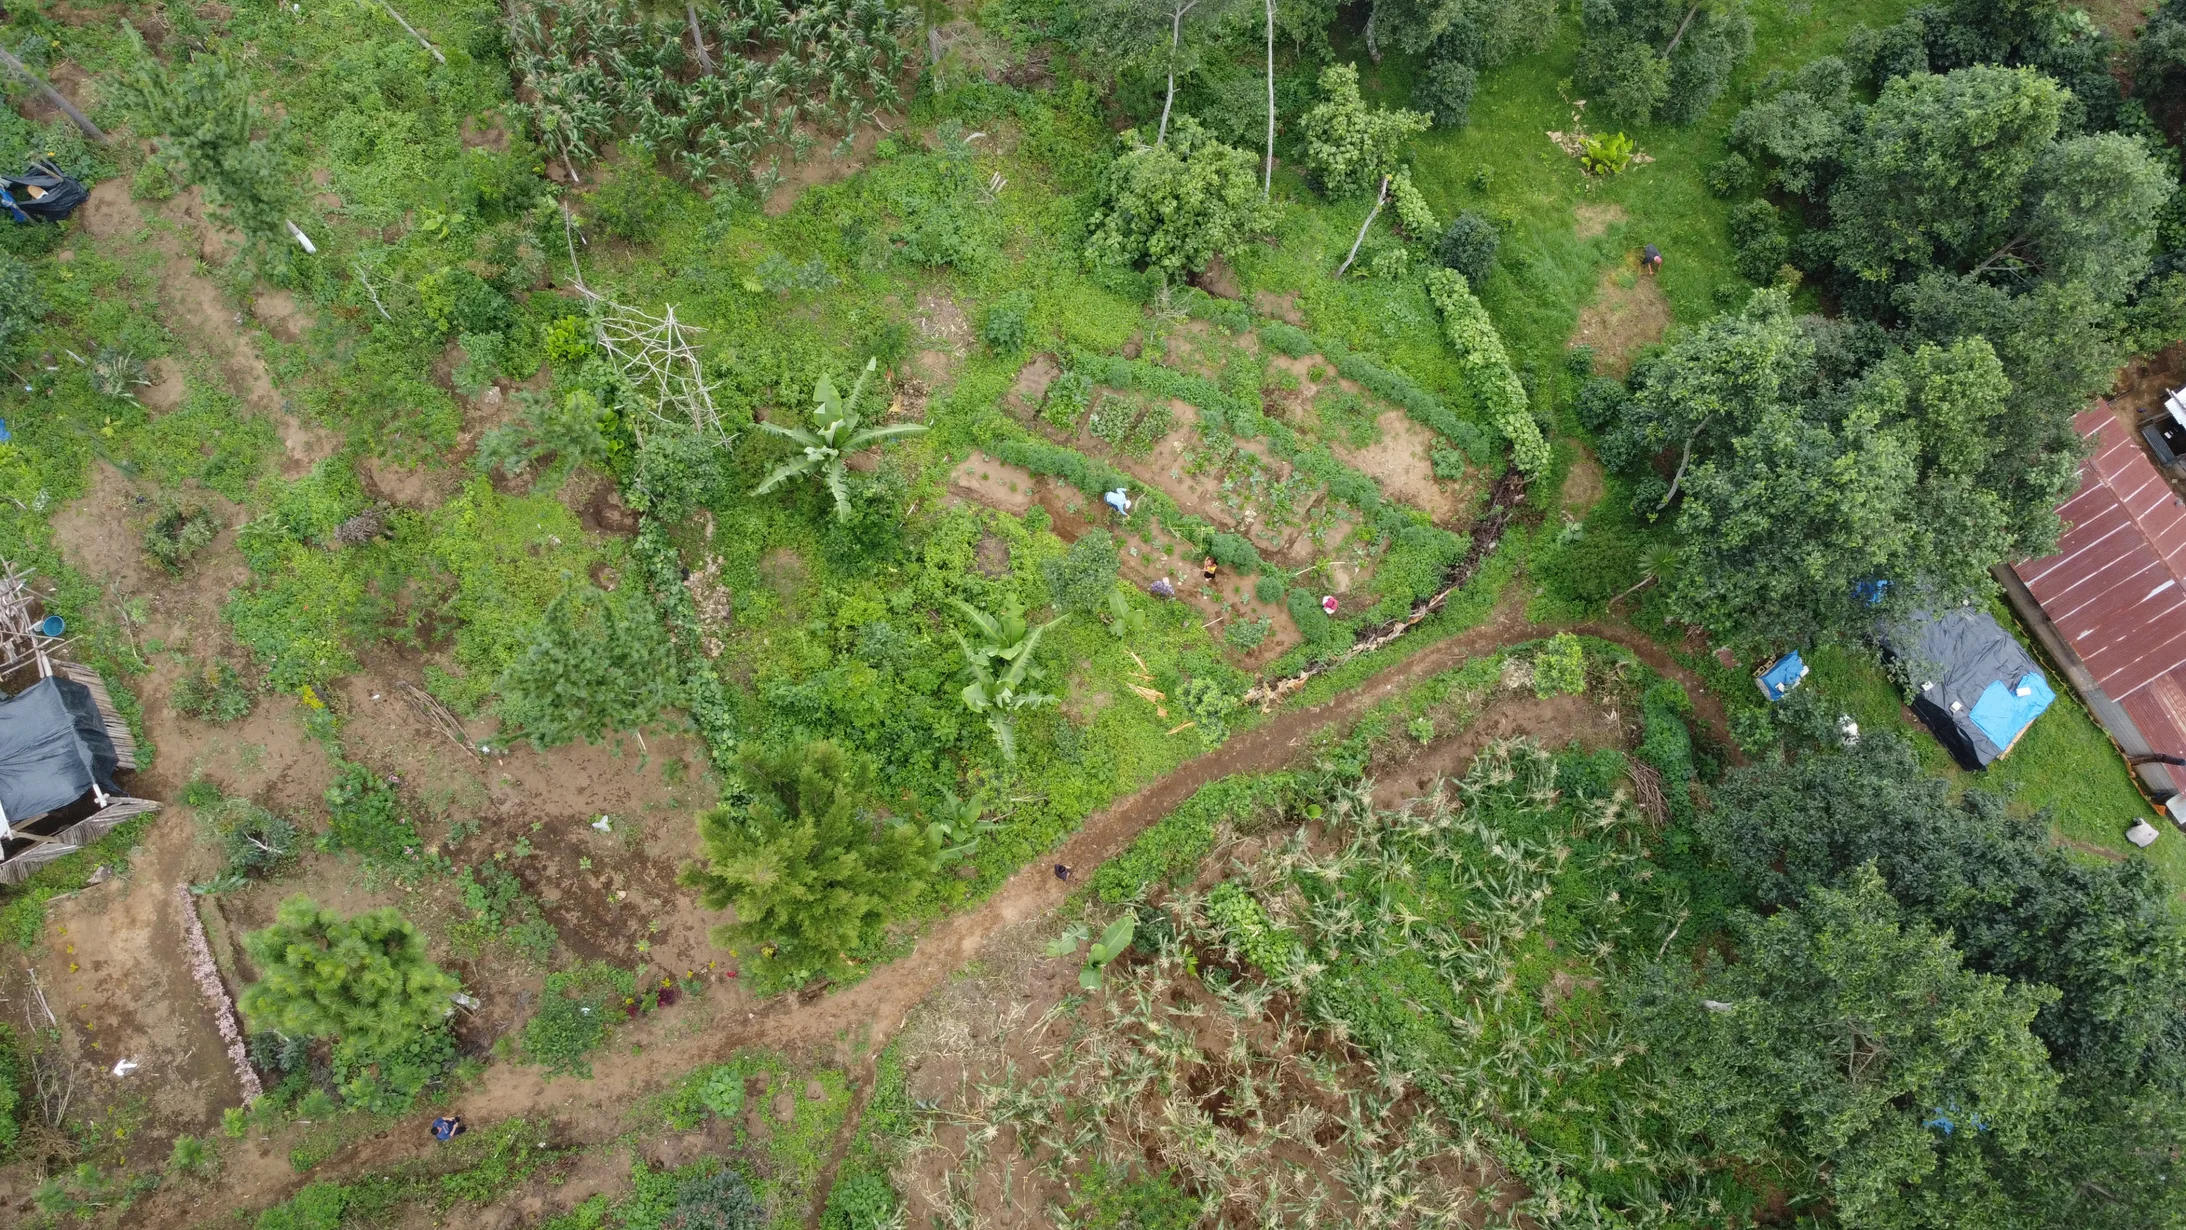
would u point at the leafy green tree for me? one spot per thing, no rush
(1475, 33)
(206, 129)
(1001, 666)
(1847, 1036)
(1176, 205)
(366, 980)
(1661, 59)
(1349, 145)
(1495, 387)
(2108, 936)
(2159, 65)
(809, 871)
(596, 662)
(1966, 173)
(836, 433)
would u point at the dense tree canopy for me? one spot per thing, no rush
(2108, 937)
(1646, 60)
(1848, 1034)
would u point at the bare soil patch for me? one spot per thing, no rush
(1218, 279)
(1582, 488)
(823, 167)
(196, 310)
(1030, 388)
(996, 484)
(1628, 312)
(1402, 464)
(1594, 221)
(1283, 307)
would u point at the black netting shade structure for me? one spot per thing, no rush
(53, 749)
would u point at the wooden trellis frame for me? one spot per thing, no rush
(656, 356)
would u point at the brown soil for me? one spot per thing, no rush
(2143, 383)
(165, 391)
(983, 480)
(1030, 388)
(822, 167)
(1594, 221)
(2120, 17)
(1219, 280)
(715, 1027)
(194, 308)
(421, 488)
(1628, 312)
(1283, 307)
(1582, 484)
(1401, 464)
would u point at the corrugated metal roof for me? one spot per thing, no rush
(2116, 588)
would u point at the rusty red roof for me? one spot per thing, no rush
(2116, 588)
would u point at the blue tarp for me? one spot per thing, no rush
(1782, 677)
(2002, 712)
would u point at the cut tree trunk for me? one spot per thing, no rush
(1371, 214)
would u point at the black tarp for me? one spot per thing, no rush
(57, 195)
(1952, 659)
(53, 746)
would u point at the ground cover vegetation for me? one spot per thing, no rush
(759, 377)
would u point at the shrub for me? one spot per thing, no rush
(252, 839)
(457, 301)
(367, 816)
(1349, 145)
(1413, 212)
(1758, 241)
(1268, 588)
(213, 692)
(1447, 91)
(1559, 667)
(1246, 635)
(633, 204)
(11, 1086)
(576, 1009)
(21, 305)
(1468, 246)
(1068, 395)
(364, 979)
(1177, 205)
(179, 533)
(1729, 175)
(1008, 324)
(1233, 551)
(1245, 925)
(1600, 403)
(1495, 387)
(1080, 581)
(721, 1200)
(860, 1200)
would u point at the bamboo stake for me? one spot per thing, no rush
(422, 40)
(53, 96)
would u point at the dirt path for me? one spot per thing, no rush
(586, 1112)
(195, 309)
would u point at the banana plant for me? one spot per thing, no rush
(836, 433)
(1106, 949)
(956, 831)
(1125, 621)
(1001, 667)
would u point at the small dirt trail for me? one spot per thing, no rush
(195, 309)
(592, 1111)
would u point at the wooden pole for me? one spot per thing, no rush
(1371, 214)
(53, 96)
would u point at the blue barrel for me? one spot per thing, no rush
(53, 625)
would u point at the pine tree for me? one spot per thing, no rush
(597, 662)
(365, 980)
(809, 871)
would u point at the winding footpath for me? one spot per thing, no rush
(589, 1112)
